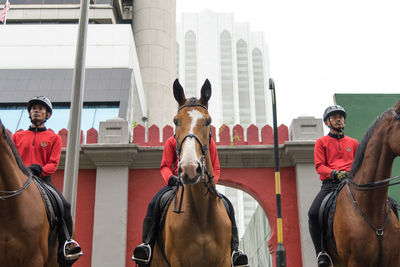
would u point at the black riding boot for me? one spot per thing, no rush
(238, 257)
(322, 257)
(142, 253)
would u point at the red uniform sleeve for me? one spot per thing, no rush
(168, 162)
(215, 160)
(320, 160)
(51, 166)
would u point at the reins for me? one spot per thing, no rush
(13, 193)
(375, 185)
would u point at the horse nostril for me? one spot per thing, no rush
(198, 170)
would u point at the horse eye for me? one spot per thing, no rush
(208, 121)
(176, 122)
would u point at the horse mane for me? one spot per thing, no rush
(358, 159)
(192, 101)
(17, 157)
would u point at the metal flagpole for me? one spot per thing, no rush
(280, 250)
(6, 8)
(73, 145)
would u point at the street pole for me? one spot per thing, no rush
(280, 250)
(74, 131)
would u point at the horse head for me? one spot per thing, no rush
(192, 128)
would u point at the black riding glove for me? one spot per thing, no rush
(338, 176)
(173, 180)
(36, 169)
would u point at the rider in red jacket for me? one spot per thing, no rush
(169, 162)
(169, 172)
(40, 149)
(39, 146)
(333, 156)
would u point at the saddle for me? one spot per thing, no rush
(327, 214)
(53, 204)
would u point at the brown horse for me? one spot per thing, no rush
(366, 231)
(24, 228)
(200, 235)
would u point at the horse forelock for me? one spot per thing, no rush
(17, 157)
(359, 157)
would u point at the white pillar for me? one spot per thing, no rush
(154, 30)
(308, 184)
(111, 205)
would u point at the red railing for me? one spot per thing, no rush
(237, 138)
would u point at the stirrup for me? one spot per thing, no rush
(73, 255)
(240, 252)
(142, 260)
(324, 253)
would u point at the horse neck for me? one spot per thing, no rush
(196, 198)
(11, 177)
(376, 165)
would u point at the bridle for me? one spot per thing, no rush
(13, 193)
(372, 186)
(204, 172)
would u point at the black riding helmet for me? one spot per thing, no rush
(334, 109)
(41, 100)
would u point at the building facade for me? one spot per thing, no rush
(235, 60)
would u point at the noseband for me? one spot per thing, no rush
(204, 148)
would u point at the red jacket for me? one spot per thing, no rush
(169, 162)
(42, 147)
(334, 153)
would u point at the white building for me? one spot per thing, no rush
(235, 60)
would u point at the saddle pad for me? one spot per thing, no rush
(50, 202)
(327, 215)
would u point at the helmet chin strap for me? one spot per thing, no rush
(37, 124)
(334, 128)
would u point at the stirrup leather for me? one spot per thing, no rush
(74, 256)
(326, 254)
(141, 260)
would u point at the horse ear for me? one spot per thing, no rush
(397, 107)
(179, 94)
(205, 92)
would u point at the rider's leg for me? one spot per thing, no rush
(142, 252)
(68, 249)
(313, 222)
(238, 256)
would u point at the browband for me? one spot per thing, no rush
(192, 105)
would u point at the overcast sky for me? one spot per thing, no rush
(318, 48)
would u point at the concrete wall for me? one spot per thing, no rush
(306, 129)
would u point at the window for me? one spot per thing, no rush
(243, 82)
(228, 116)
(258, 76)
(16, 117)
(190, 64)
